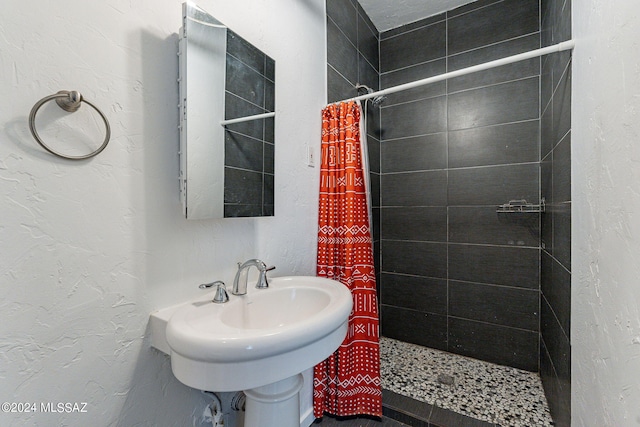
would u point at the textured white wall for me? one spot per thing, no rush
(606, 214)
(89, 249)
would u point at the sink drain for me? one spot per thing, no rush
(446, 379)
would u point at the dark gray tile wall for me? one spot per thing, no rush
(249, 146)
(353, 58)
(456, 275)
(555, 277)
(352, 54)
(453, 274)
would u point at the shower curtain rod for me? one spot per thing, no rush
(480, 67)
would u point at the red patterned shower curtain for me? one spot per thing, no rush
(348, 382)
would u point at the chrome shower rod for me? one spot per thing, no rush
(480, 67)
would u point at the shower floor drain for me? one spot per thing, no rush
(446, 379)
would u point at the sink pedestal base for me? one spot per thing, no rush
(274, 405)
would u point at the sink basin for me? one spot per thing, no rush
(278, 308)
(259, 338)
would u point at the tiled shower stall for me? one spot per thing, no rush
(453, 274)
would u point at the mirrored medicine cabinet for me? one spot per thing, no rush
(227, 118)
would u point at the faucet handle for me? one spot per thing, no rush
(263, 281)
(221, 291)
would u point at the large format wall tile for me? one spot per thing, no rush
(493, 185)
(483, 225)
(411, 74)
(245, 187)
(410, 49)
(504, 73)
(416, 293)
(368, 42)
(491, 138)
(367, 75)
(509, 266)
(562, 106)
(417, 153)
(244, 81)
(243, 152)
(562, 170)
(562, 233)
(345, 17)
(490, 53)
(421, 117)
(501, 305)
(466, 153)
(555, 148)
(502, 103)
(343, 56)
(556, 342)
(414, 189)
(495, 145)
(338, 88)
(237, 107)
(558, 392)
(414, 326)
(245, 52)
(415, 258)
(415, 223)
(441, 17)
(555, 284)
(470, 7)
(492, 24)
(494, 343)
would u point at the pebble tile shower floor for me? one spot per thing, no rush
(497, 394)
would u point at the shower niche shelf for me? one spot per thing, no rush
(521, 206)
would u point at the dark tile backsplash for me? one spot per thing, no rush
(453, 273)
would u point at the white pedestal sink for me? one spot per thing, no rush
(259, 342)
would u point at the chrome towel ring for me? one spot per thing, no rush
(69, 101)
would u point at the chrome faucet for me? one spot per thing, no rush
(240, 281)
(221, 291)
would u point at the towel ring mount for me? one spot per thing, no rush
(69, 101)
